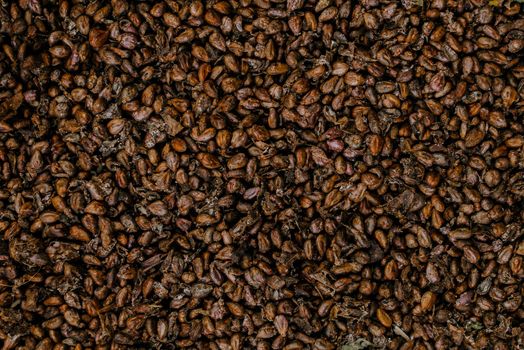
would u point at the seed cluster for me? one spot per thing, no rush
(261, 174)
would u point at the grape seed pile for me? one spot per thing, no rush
(261, 174)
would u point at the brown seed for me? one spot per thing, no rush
(157, 208)
(98, 37)
(200, 53)
(95, 208)
(281, 324)
(277, 69)
(78, 233)
(384, 318)
(428, 300)
(471, 254)
(473, 137)
(171, 20)
(208, 160)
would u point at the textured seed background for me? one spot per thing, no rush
(261, 174)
